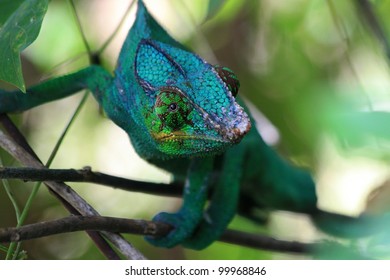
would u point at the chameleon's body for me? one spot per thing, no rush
(181, 114)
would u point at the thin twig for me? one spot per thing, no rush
(142, 227)
(86, 175)
(80, 28)
(263, 242)
(83, 223)
(113, 34)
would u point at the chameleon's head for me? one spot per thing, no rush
(190, 106)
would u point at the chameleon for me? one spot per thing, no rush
(183, 115)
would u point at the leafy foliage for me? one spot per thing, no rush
(21, 22)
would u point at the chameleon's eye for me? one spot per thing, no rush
(229, 78)
(172, 108)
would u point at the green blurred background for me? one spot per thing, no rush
(312, 67)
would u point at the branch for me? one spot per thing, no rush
(142, 227)
(87, 175)
(62, 190)
(263, 242)
(83, 223)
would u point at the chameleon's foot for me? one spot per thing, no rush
(182, 229)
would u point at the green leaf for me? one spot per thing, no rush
(19, 30)
(7, 8)
(363, 132)
(358, 125)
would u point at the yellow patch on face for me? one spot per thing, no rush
(172, 136)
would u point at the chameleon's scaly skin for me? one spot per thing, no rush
(182, 115)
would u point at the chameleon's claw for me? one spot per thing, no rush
(181, 230)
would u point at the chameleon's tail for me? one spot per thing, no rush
(16, 101)
(351, 227)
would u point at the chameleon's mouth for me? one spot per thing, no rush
(228, 131)
(180, 136)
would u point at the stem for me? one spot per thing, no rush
(142, 227)
(80, 28)
(109, 40)
(11, 195)
(87, 175)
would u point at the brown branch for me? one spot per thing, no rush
(83, 223)
(64, 191)
(142, 227)
(263, 242)
(87, 175)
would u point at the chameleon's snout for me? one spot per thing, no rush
(238, 127)
(239, 132)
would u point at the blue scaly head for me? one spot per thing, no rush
(179, 105)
